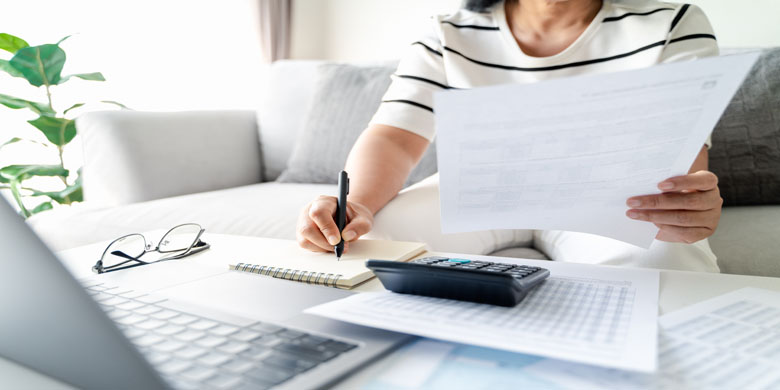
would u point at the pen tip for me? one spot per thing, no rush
(338, 258)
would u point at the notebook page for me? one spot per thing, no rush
(286, 254)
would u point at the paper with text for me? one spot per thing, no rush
(566, 154)
(597, 315)
(728, 342)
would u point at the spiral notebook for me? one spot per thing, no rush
(289, 261)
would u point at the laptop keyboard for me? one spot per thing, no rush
(195, 352)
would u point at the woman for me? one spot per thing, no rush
(525, 41)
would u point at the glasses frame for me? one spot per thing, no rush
(196, 246)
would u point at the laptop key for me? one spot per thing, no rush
(269, 341)
(165, 314)
(224, 382)
(147, 340)
(338, 346)
(183, 319)
(190, 335)
(174, 366)
(308, 352)
(211, 341)
(146, 310)
(202, 325)
(291, 334)
(237, 366)
(190, 353)
(169, 330)
(132, 319)
(132, 305)
(214, 359)
(288, 361)
(269, 375)
(117, 314)
(168, 346)
(246, 335)
(257, 353)
(149, 324)
(224, 330)
(234, 347)
(198, 374)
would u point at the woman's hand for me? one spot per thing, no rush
(317, 230)
(687, 211)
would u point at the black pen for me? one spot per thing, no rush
(341, 211)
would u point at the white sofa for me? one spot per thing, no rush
(145, 171)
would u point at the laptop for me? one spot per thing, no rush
(96, 335)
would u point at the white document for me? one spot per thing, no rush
(728, 342)
(598, 315)
(566, 154)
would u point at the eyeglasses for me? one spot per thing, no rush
(126, 251)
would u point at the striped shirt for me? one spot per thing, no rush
(470, 49)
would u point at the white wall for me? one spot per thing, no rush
(156, 55)
(360, 30)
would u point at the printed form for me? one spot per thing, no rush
(566, 154)
(597, 315)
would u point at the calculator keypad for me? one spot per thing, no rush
(518, 271)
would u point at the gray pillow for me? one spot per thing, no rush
(345, 99)
(745, 150)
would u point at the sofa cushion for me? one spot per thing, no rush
(263, 210)
(287, 94)
(746, 241)
(345, 99)
(746, 141)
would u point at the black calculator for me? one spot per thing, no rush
(461, 279)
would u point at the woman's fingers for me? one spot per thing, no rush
(360, 222)
(706, 200)
(321, 212)
(308, 233)
(684, 218)
(697, 181)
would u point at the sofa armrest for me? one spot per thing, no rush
(132, 156)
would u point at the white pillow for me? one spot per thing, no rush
(414, 215)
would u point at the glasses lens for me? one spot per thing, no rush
(179, 238)
(132, 246)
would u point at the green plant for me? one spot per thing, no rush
(42, 66)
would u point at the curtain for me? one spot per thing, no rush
(275, 16)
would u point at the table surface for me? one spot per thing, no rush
(677, 289)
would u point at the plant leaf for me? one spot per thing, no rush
(72, 193)
(40, 65)
(16, 103)
(42, 207)
(94, 76)
(73, 107)
(63, 39)
(11, 43)
(18, 198)
(11, 141)
(6, 66)
(58, 131)
(23, 172)
(116, 104)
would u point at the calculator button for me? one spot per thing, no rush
(460, 261)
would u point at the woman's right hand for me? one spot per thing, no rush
(317, 230)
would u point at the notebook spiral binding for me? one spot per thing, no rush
(318, 278)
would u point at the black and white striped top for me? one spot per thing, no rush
(470, 49)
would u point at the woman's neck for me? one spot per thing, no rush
(547, 27)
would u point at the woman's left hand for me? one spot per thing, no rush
(687, 211)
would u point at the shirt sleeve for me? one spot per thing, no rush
(690, 37)
(408, 102)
